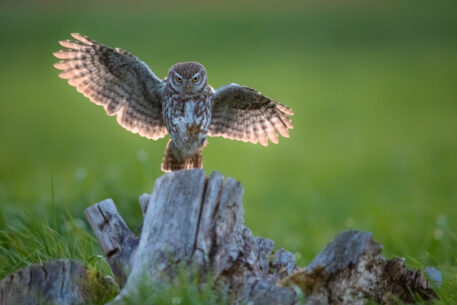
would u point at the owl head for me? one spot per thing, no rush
(187, 77)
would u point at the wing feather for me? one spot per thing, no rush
(244, 114)
(116, 80)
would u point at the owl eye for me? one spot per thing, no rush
(178, 79)
(195, 79)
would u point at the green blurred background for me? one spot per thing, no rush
(373, 85)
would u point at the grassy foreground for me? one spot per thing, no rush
(374, 148)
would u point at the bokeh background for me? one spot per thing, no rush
(373, 85)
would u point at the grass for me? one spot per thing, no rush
(374, 146)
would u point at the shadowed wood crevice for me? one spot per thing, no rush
(200, 216)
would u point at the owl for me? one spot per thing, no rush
(182, 105)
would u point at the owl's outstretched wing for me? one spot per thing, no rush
(244, 114)
(116, 80)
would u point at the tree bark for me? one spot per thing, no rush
(62, 282)
(118, 243)
(351, 270)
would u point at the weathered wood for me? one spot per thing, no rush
(169, 228)
(191, 219)
(114, 236)
(144, 202)
(60, 282)
(351, 270)
(198, 222)
(284, 263)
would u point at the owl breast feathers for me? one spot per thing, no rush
(183, 104)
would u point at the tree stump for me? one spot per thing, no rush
(198, 222)
(189, 218)
(351, 270)
(60, 282)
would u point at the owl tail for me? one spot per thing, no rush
(172, 161)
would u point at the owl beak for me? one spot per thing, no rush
(188, 87)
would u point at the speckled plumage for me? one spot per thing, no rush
(186, 111)
(183, 104)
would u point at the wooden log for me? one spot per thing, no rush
(60, 282)
(351, 270)
(191, 219)
(200, 222)
(118, 243)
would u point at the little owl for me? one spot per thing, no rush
(183, 104)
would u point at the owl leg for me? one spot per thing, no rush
(173, 161)
(196, 160)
